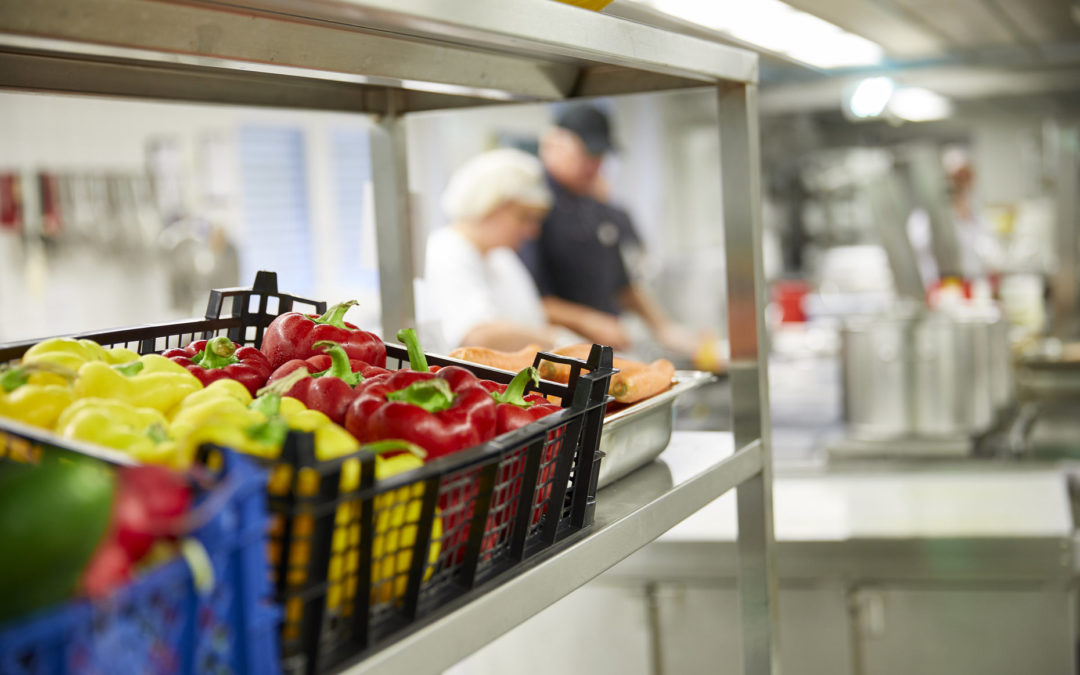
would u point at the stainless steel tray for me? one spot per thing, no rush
(637, 434)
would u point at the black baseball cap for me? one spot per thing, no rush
(591, 126)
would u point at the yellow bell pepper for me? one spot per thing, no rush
(25, 398)
(244, 430)
(222, 396)
(397, 515)
(219, 392)
(224, 414)
(73, 354)
(138, 431)
(152, 381)
(331, 440)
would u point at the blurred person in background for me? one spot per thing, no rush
(479, 287)
(979, 254)
(978, 250)
(578, 261)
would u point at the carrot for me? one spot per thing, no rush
(628, 386)
(558, 372)
(513, 361)
(633, 382)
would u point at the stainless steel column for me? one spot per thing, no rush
(1066, 278)
(393, 224)
(740, 177)
(891, 213)
(930, 187)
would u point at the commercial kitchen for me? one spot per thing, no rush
(862, 216)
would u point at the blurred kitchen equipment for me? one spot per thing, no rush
(876, 400)
(198, 256)
(1002, 377)
(1049, 371)
(891, 212)
(913, 378)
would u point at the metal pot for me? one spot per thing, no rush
(1002, 380)
(923, 374)
(876, 400)
(941, 373)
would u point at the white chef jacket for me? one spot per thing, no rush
(466, 288)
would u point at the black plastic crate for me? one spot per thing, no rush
(422, 538)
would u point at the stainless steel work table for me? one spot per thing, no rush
(884, 568)
(970, 520)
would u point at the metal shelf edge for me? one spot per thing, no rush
(546, 30)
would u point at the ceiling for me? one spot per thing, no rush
(969, 50)
(976, 52)
(968, 30)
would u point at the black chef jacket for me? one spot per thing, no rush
(578, 255)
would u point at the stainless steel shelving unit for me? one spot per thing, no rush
(389, 58)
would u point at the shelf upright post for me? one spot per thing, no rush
(393, 222)
(1066, 279)
(740, 176)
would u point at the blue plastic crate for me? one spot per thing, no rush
(160, 623)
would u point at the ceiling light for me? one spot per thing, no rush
(915, 104)
(778, 27)
(870, 97)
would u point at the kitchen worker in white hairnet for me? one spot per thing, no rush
(481, 291)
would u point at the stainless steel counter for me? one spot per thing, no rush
(957, 568)
(940, 521)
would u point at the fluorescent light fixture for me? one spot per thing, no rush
(780, 28)
(870, 97)
(915, 104)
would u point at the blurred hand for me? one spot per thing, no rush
(678, 339)
(607, 330)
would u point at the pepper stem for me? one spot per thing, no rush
(218, 353)
(157, 433)
(335, 316)
(393, 444)
(16, 376)
(13, 378)
(268, 399)
(417, 360)
(130, 369)
(432, 395)
(515, 391)
(271, 432)
(339, 363)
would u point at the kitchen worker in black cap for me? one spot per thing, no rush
(578, 261)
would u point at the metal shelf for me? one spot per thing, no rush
(378, 56)
(393, 57)
(694, 470)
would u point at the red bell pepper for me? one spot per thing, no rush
(293, 336)
(220, 358)
(441, 412)
(329, 391)
(515, 408)
(151, 503)
(322, 363)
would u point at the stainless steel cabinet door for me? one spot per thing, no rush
(698, 630)
(942, 631)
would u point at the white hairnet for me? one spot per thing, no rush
(492, 179)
